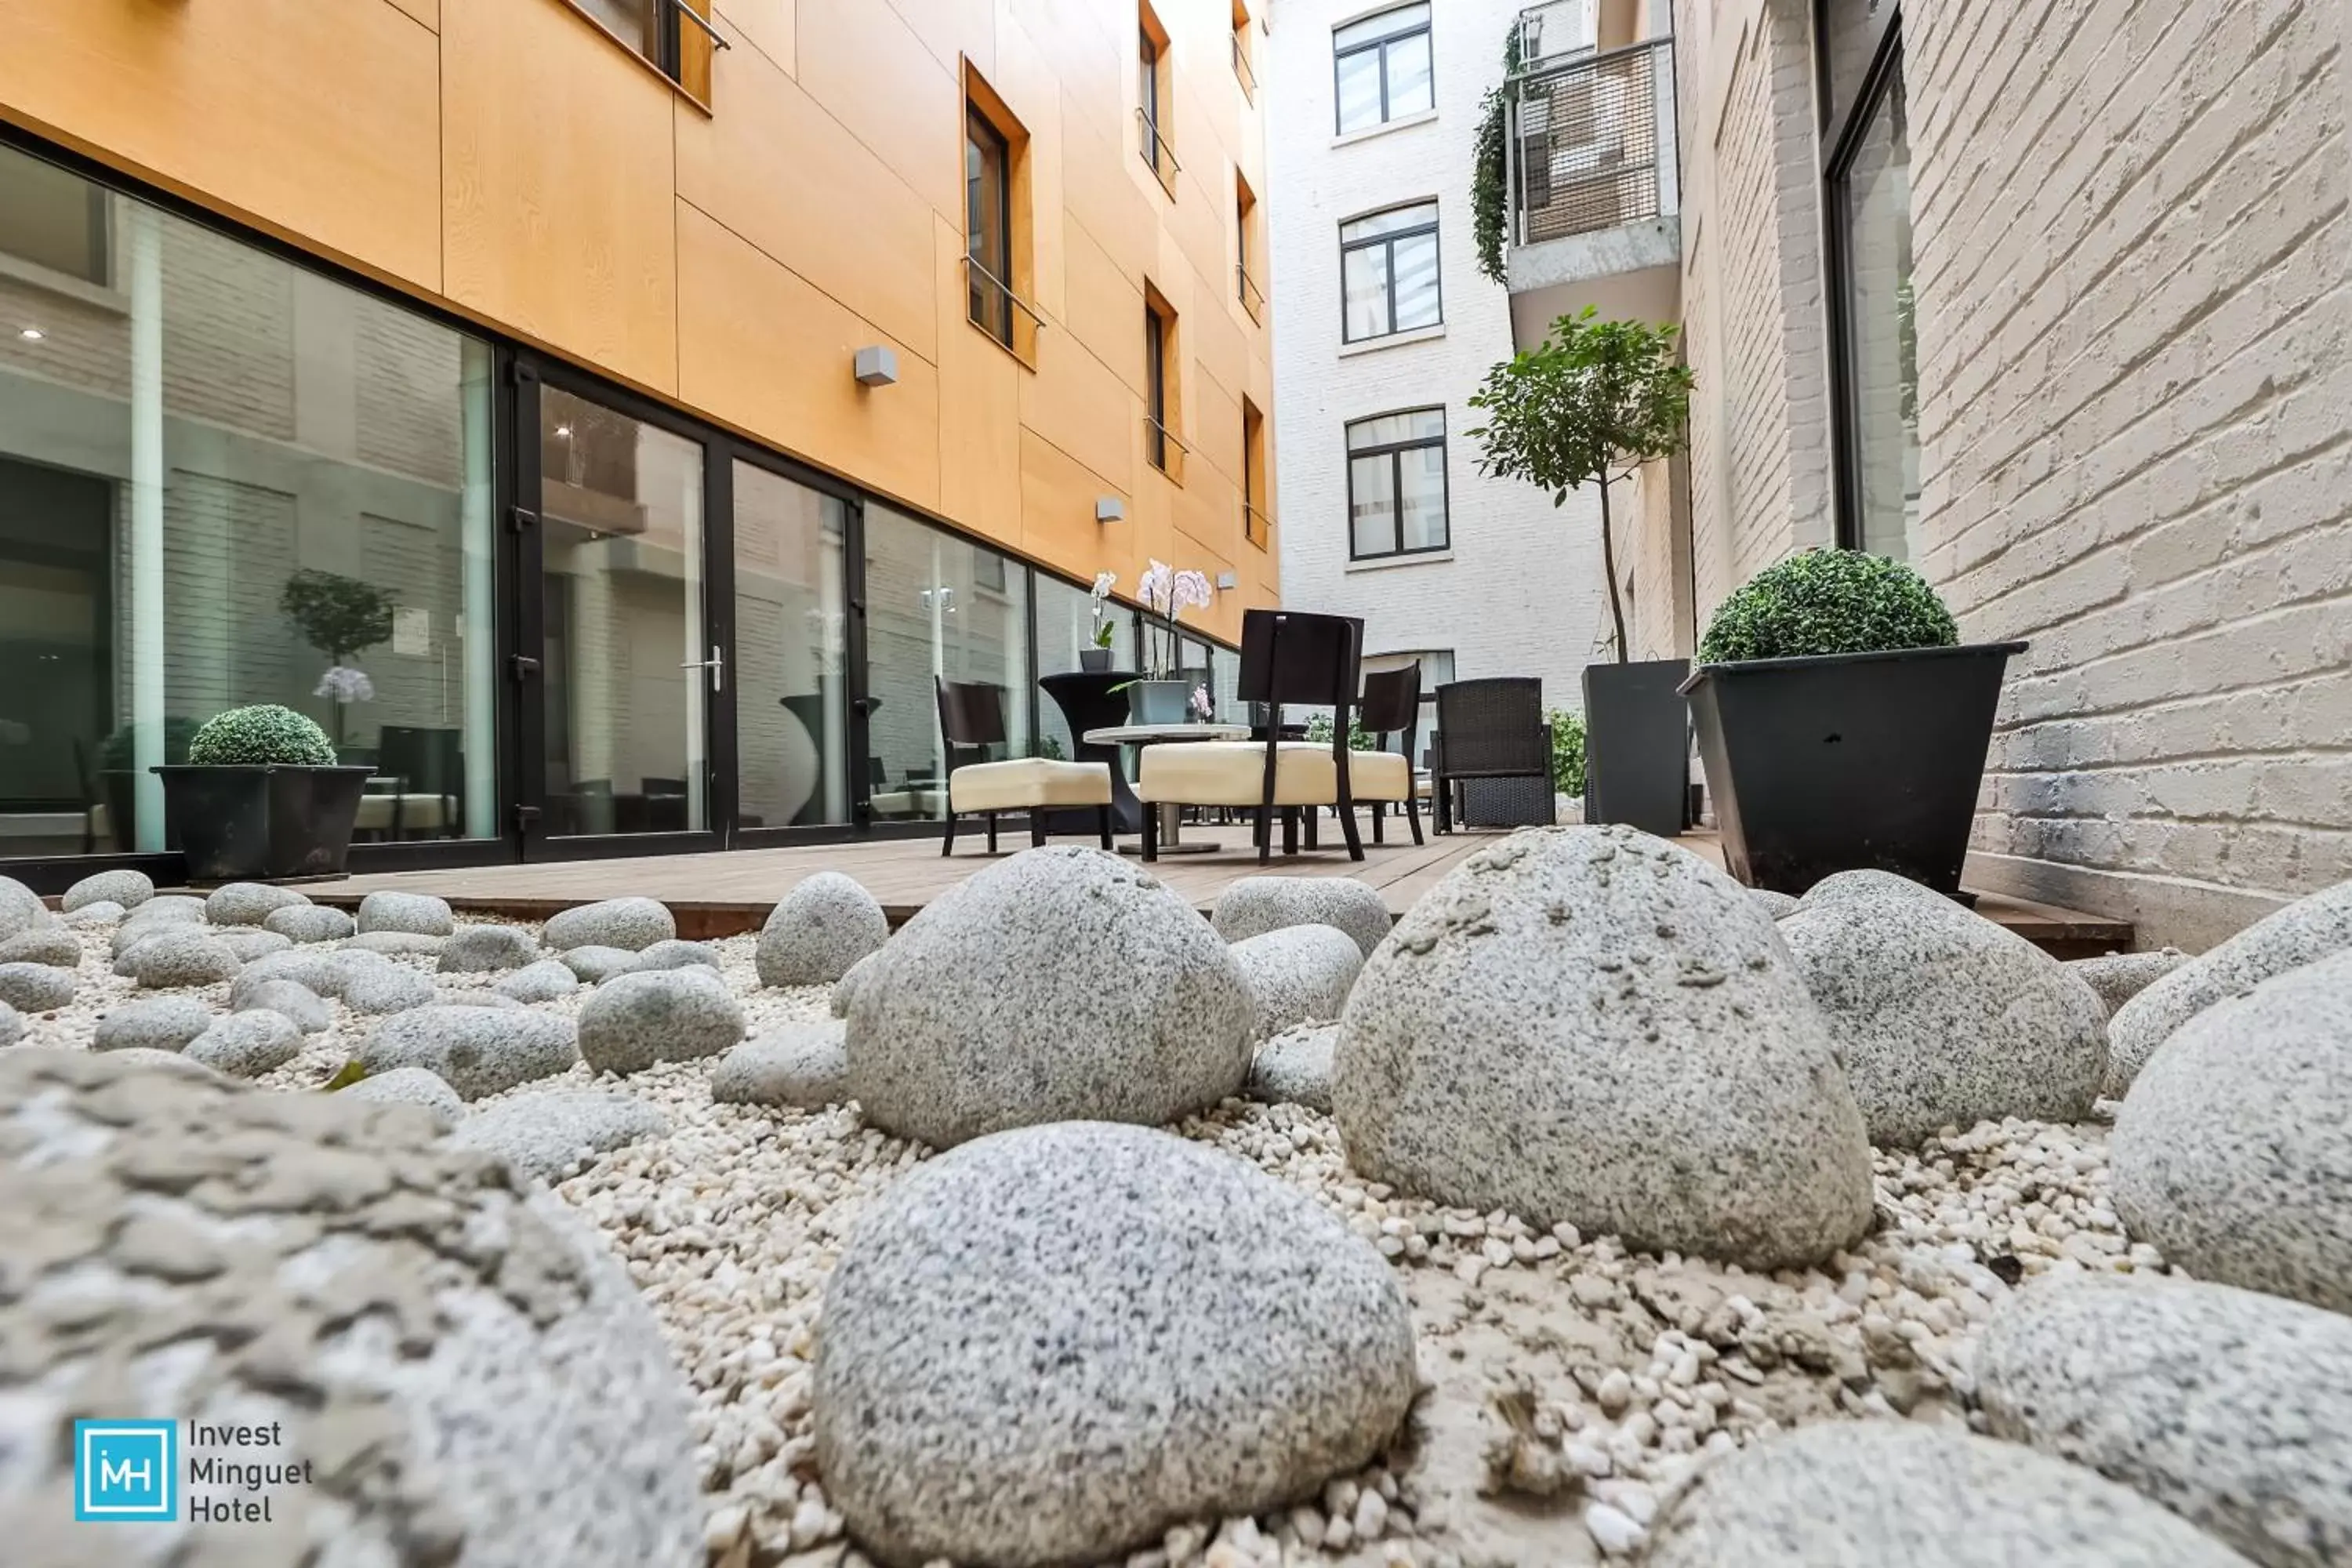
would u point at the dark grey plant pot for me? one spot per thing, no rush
(1158, 701)
(261, 823)
(1094, 660)
(1637, 745)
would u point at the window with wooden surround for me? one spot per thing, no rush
(1396, 485)
(1245, 249)
(674, 37)
(1161, 395)
(1256, 526)
(1380, 68)
(995, 204)
(1388, 273)
(1155, 101)
(1244, 71)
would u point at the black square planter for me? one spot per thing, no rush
(264, 823)
(1637, 745)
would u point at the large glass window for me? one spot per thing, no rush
(1388, 267)
(1882, 369)
(1066, 628)
(627, 659)
(1381, 66)
(937, 606)
(227, 481)
(792, 708)
(1396, 484)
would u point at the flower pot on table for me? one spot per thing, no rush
(1159, 701)
(1094, 660)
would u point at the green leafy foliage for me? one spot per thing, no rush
(1828, 601)
(118, 752)
(261, 736)
(338, 615)
(1489, 163)
(350, 1073)
(1567, 751)
(1319, 730)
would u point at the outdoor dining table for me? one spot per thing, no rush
(1171, 841)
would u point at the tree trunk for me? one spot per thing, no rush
(1609, 569)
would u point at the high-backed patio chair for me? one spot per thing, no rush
(972, 719)
(1491, 728)
(1391, 707)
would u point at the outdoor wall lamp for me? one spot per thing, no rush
(878, 365)
(1110, 508)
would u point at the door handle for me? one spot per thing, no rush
(716, 664)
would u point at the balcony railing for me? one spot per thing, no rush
(1257, 526)
(1253, 298)
(1156, 152)
(997, 310)
(1166, 452)
(1593, 142)
(1242, 69)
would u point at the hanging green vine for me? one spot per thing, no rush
(1490, 201)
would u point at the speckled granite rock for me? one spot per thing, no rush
(394, 944)
(308, 923)
(1058, 984)
(632, 923)
(296, 1002)
(1276, 1349)
(546, 1135)
(419, 914)
(1875, 1494)
(1592, 1025)
(1943, 1018)
(800, 1064)
(411, 1086)
(36, 987)
(385, 987)
(2119, 976)
(249, 942)
(594, 964)
(20, 909)
(1299, 974)
(247, 1044)
(2232, 1153)
(1257, 905)
(1295, 1068)
(12, 1025)
(1864, 884)
(180, 955)
(471, 996)
(126, 888)
(674, 955)
(158, 1023)
(664, 1016)
(2232, 1408)
(248, 903)
(487, 950)
(1777, 905)
(316, 971)
(145, 1057)
(2303, 932)
(857, 975)
(55, 945)
(541, 982)
(101, 913)
(817, 930)
(474, 1050)
(340, 1270)
(166, 911)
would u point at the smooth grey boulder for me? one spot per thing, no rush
(55, 945)
(1058, 984)
(803, 1065)
(594, 964)
(1592, 1025)
(817, 930)
(471, 996)
(416, 914)
(394, 944)
(674, 955)
(664, 1016)
(1839, 886)
(248, 903)
(308, 923)
(1944, 1018)
(474, 1050)
(1295, 1068)
(465, 1368)
(159, 1024)
(247, 1044)
(1257, 905)
(2232, 1408)
(249, 942)
(385, 987)
(166, 911)
(854, 977)
(488, 950)
(1777, 905)
(180, 955)
(1876, 1494)
(20, 909)
(126, 888)
(146, 1056)
(290, 998)
(541, 982)
(101, 913)
(1299, 974)
(36, 987)
(632, 923)
(2119, 977)
(1195, 1338)
(2232, 1153)
(321, 973)
(2303, 933)
(411, 1086)
(12, 1025)
(547, 1135)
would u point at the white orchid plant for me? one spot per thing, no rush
(1168, 593)
(1104, 583)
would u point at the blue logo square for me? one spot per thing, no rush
(122, 1471)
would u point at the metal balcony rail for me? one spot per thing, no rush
(1242, 69)
(1157, 151)
(1551, 30)
(1165, 450)
(1257, 526)
(688, 14)
(1253, 298)
(1000, 312)
(1586, 143)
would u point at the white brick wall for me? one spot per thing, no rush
(1521, 592)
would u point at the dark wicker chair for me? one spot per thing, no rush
(971, 720)
(1391, 707)
(1491, 728)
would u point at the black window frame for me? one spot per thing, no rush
(1426, 27)
(1394, 451)
(1387, 240)
(981, 136)
(1845, 122)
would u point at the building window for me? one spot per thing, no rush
(1388, 274)
(1256, 526)
(1396, 485)
(674, 36)
(1245, 283)
(987, 225)
(1159, 394)
(1245, 73)
(54, 219)
(1154, 100)
(1381, 66)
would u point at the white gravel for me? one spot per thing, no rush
(1570, 1382)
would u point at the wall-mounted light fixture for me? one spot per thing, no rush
(878, 365)
(1110, 508)
(1227, 582)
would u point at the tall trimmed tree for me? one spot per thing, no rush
(1594, 397)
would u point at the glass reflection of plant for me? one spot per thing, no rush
(341, 617)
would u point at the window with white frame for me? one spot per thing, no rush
(1380, 68)
(1396, 485)
(1388, 273)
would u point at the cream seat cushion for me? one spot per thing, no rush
(415, 813)
(1379, 775)
(1233, 773)
(1027, 782)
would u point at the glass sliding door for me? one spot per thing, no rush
(791, 701)
(627, 658)
(1066, 628)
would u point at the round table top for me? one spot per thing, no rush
(1141, 734)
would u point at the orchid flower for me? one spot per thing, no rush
(345, 684)
(1188, 590)
(1203, 706)
(1155, 586)
(1104, 583)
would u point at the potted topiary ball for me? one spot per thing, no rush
(1842, 722)
(261, 798)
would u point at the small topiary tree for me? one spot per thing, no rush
(261, 736)
(1567, 751)
(1827, 601)
(338, 615)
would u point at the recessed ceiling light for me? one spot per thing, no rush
(32, 334)
(563, 432)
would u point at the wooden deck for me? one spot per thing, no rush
(727, 892)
